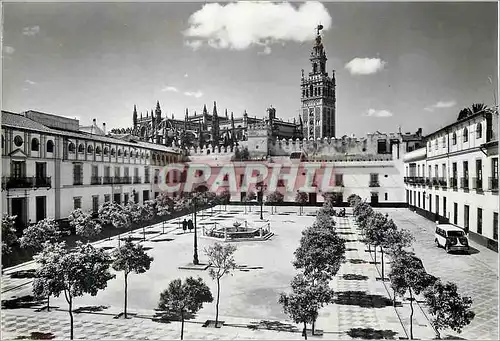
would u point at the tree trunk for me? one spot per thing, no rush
(125, 305)
(48, 302)
(305, 331)
(438, 335)
(375, 252)
(182, 325)
(382, 261)
(70, 310)
(313, 327)
(217, 304)
(143, 233)
(411, 315)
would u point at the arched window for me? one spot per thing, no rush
(479, 131)
(3, 142)
(466, 135)
(315, 67)
(106, 150)
(50, 146)
(71, 147)
(35, 145)
(98, 150)
(454, 138)
(444, 141)
(119, 152)
(126, 153)
(142, 155)
(90, 149)
(311, 91)
(113, 152)
(81, 148)
(18, 141)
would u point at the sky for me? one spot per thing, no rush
(408, 65)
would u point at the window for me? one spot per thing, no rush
(117, 198)
(90, 149)
(455, 213)
(479, 221)
(418, 199)
(374, 179)
(77, 174)
(106, 150)
(50, 146)
(18, 169)
(18, 141)
(479, 169)
(466, 218)
(495, 225)
(119, 152)
(423, 200)
(35, 145)
(437, 204)
(430, 172)
(479, 131)
(443, 140)
(81, 148)
(466, 135)
(436, 170)
(454, 139)
(98, 150)
(494, 168)
(125, 198)
(117, 171)
(339, 179)
(146, 175)
(445, 213)
(112, 151)
(436, 144)
(107, 197)
(145, 196)
(386, 196)
(71, 147)
(77, 203)
(95, 171)
(95, 203)
(41, 208)
(126, 154)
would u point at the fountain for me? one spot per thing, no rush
(238, 232)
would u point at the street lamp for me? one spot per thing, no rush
(260, 186)
(195, 255)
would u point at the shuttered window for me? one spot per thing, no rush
(77, 174)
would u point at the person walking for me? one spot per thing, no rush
(184, 225)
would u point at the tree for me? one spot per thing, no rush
(83, 224)
(353, 200)
(448, 308)
(396, 240)
(301, 198)
(221, 259)
(274, 198)
(362, 211)
(328, 207)
(185, 298)
(129, 258)
(474, 109)
(377, 228)
(324, 220)
(113, 214)
(165, 205)
(81, 270)
(224, 197)
(250, 196)
(408, 275)
(36, 235)
(9, 237)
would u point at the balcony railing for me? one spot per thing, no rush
(493, 184)
(428, 182)
(454, 183)
(477, 184)
(122, 180)
(27, 182)
(374, 184)
(146, 179)
(443, 183)
(107, 180)
(435, 182)
(77, 182)
(137, 179)
(464, 183)
(95, 180)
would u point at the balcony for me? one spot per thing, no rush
(477, 184)
(337, 183)
(454, 183)
(428, 182)
(435, 182)
(374, 184)
(107, 180)
(95, 180)
(26, 182)
(493, 184)
(77, 182)
(464, 183)
(443, 183)
(120, 180)
(137, 180)
(146, 179)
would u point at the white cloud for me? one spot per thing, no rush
(365, 66)
(378, 113)
(196, 94)
(30, 82)
(31, 31)
(267, 50)
(9, 49)
(440, 105)
(241, 25)
(170, 88)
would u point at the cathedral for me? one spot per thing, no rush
(215, 130)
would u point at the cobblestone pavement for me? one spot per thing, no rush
(362, 307)
(476, 275)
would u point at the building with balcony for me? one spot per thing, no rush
(51, 166)
(454, 177)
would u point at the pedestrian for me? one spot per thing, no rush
(184, 225)
(190, 224)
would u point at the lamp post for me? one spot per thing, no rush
(195, 255)
(261, 187)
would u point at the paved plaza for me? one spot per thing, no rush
(362, 307)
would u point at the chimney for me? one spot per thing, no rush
(104, 128)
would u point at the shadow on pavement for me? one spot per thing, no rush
(356, 261)
(354, 277)
(90, 309)
(273, 325)
(27, 301)
(23, 274)
(345, 233)
(37, 336)
(362, 299)
(169, 316)
(370, 334)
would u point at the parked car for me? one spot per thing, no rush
(451, 237)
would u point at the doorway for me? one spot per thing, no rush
(41, 208)
(374, 198)
(312, 198)
(19, 210)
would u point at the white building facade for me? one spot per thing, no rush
(455, 177)
(50, 167)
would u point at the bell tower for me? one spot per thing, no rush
(318, 95)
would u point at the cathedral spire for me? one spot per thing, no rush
(214, 112)
(158, 112)
(226, 113)
(134, 116)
